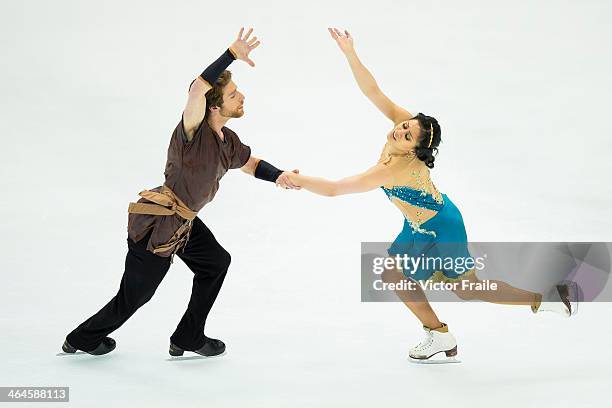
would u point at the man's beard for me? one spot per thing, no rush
(232, 114)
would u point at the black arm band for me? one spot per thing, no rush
(214, 70)
(266, 171)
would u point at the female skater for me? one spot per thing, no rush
(433, 225)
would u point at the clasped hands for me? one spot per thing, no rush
(286, 181)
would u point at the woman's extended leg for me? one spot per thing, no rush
(504, 293)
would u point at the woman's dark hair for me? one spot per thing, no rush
(423, 152)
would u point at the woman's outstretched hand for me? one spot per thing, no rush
(344, 40)
(243, 46)
(286, 180)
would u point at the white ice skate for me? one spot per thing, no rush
(437, 348)
(561, 299)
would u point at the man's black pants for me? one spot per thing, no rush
(144, 271)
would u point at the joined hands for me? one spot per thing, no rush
(286, 181)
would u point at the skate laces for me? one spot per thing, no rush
(427, 341)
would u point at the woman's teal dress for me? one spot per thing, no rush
(441, 238)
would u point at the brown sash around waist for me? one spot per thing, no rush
(165, 202)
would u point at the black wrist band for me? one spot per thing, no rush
(214, 70)
(266, 171)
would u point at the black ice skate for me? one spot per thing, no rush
(106, 346)
(212, 347)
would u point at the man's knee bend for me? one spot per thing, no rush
(140, 299)
(216, 263)
(224, 260)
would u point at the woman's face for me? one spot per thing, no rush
(405, 136)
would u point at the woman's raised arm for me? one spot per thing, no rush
(366, 81)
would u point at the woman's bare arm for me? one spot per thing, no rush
(366, 82)
(369, 180)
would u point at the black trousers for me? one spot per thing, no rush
(144, 271)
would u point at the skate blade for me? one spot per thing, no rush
(196, 357)
(575, 296)
(76, 353)
(431, 360)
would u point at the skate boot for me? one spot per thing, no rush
(561, 299)
(106, 346)
(438, 342)
(212, 347)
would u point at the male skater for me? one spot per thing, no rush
(165, 219)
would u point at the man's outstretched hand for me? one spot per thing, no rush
(285, 182)
(243, 46)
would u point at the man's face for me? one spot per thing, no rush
(233, 101)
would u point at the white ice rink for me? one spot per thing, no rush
(90, 94)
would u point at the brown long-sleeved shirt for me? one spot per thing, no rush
(193, 170)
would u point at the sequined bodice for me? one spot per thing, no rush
(417, 198)
(414, 197)
(413, 191)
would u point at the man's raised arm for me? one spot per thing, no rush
(195, 110)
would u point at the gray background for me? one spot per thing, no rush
(91, 91)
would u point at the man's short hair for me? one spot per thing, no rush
(214, 96)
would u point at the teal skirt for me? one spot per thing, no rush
(446, 252)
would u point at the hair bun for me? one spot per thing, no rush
(426, 155)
